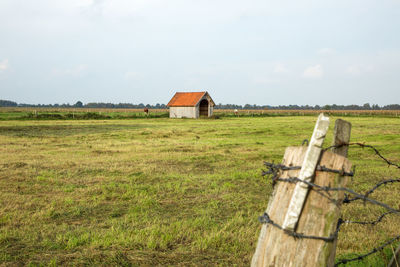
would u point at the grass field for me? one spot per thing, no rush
(167, 191)
(42, 113)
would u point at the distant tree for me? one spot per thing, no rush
(78, 104)
(375, 107)
(366, 106)
(327, 107)
(392, 107)
(8, 103)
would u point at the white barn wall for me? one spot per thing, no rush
(183, 112)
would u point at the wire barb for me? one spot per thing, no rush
(265, 219)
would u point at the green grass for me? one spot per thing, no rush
(41, 113)
(74, 115)
(166, 191)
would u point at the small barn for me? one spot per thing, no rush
(191, 105)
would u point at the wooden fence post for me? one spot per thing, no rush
(341, 134)
(318, 217)
(308, 166)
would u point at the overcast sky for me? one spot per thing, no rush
(255, 51)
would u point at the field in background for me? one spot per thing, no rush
(277, 112)
(29, 113)
(166, 191)
(78, 113)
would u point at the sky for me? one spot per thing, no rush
(264, 52)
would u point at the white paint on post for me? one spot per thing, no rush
(306, 173)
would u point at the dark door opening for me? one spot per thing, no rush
(204, 107)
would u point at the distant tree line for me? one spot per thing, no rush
(7, 103)
(123, 105)
(79, 104)
(366, 106)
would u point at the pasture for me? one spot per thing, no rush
(161, 191)
(53, 113)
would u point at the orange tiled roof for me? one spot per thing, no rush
(185, 99)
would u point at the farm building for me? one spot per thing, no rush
(191, 105)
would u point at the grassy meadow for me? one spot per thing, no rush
(169, 192)
(53, 113)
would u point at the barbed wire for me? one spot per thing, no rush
(360, 257)
(362, 145)
(276, 169)
(323, 188)
(267, 220)
(371, 222)
(370, 191)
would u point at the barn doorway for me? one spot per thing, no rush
(204, 108)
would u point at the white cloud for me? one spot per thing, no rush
(280, 68)
(326, 51)
(3, 65)
(359, 69)
(313, 72)
(75, 71)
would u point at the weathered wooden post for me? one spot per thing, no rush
(341, 135)
(310, 161)
(318, 214)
